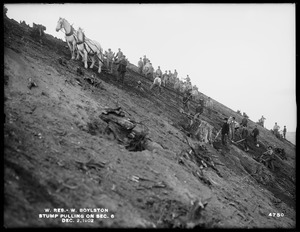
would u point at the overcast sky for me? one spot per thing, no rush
(242, 55)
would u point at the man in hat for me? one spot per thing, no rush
(255, 133)
(262, 120)
(188, 79)
(145, 60)
(245, 134)
(284, 132)
(164, 78)
(185, 101)
(122, 68)
(119, 55)
(276, 129)
(175, 75)
(232, 124)
(225, 131)
(244, 121)
(209, 105)
(109, 59)
(158, 72)
(141, 65)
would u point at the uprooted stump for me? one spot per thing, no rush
(96, 126)
(125, 130)
(137, 142)
(197, 129)
(196, 159)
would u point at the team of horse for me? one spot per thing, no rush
(80, 44)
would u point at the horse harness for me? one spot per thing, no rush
(71, 32)
(84, 45)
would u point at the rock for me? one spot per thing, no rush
(151, 146)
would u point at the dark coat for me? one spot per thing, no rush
(244, 121)
(245, 133)
(122, 66)
(255, 132)
(225, 128)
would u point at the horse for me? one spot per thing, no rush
(69, 35)
(89, 47)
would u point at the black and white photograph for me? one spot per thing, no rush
(149, 115)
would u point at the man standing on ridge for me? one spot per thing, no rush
(119, 55)
(170, 75)
(188, 79)
(141, 65)
(175, 74)
(225, 131)
(245, 134)
(122, 68)
(284, 132)
(209, 105)
(145, 60)
(276, 129)
(255, 133)
(109, 59)
(244, 121)
(262, 120)
(232, 128)
(185, 101)
(164, 78)
(158, 72)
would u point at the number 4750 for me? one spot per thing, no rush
(276, 214)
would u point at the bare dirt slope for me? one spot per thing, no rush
(57, 153)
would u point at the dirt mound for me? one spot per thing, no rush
(65, 166)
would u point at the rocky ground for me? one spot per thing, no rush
(58, 153)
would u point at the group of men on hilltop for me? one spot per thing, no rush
(160, 78)
(276, 128)
(277, 133)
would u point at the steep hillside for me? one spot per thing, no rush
(60, 154)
